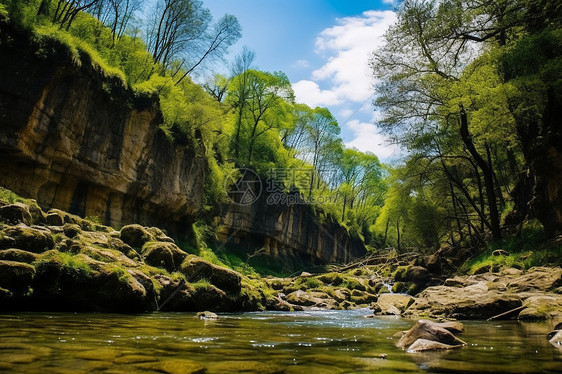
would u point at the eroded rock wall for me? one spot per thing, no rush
(82, 142)
(290, 230)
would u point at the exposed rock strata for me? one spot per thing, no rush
(79, 141)
(289, 231)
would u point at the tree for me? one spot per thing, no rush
(174, 26)
(216, 42)
(67, 10)
(239, 92)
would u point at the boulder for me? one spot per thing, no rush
(417, 274)
(392, 304)
(480, 300)
(422, 345)
(541, 306)
(206, 315)
(28, 239)
(18, 255)
(431, 331)
(537, 279)
(135, 235)
(54, 218)
(165, 255)
(303, 298)
(66, 282)
(14, 214)
(196, 268)
(15, 276)
(362, 297)
(71, 229)
(556, 340)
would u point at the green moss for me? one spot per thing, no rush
(305, 283)
(400, 273)
(353, 284)
(334, 279)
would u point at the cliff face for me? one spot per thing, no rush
(76, 140)
(288, 231)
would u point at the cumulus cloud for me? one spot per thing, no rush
(310, 93)
(368, 139)
(347, 47)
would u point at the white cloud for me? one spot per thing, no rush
(368, 139)
(347, 47)
(309, 93)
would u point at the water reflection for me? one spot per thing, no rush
(269, 342)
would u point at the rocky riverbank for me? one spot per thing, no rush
(534, 294)
(58, 261)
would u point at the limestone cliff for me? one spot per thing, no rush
(288, 230)
(77, 140)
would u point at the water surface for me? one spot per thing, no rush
(266, 342)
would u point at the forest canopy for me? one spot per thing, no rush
(470, 90)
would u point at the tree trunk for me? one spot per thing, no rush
(487, 172)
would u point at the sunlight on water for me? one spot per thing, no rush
(266, 342)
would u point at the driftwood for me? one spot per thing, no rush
(377, 260)
(506, 314)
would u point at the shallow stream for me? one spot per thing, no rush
(266, 342)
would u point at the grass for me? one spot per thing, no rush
(530, 249)
(10, 197)
(77, 47)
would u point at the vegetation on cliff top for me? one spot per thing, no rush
(471, 90)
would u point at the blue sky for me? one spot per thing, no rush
(323, 47)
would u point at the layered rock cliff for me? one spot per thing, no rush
(77, 140)
(287, 229)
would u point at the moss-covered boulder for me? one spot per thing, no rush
(124, 248)
(135, 235)
(13, 254)
(15, 276)
(15, 213)
(71, 230)
(78, 282)
(206, 296)
(195, 269)
(165, 255)
(54, 218)
(27, 238)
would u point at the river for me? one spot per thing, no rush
(307, 342)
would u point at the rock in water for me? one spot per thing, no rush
(422, 345)
(418, 338)
(556, 340)
(207, 315)
(392, 304)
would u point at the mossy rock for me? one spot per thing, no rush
(400, 273)
(18, 255)
(135, 235)
(196, 268)
(163, 254)
(333, 279)
(399, 287)
(160, 235)
(54, 218)
(124, 248)
(67, 282)
(16, 276)
(29, 239)
(206, 296)
(353, 284)
(14, 214)
(71, 230)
